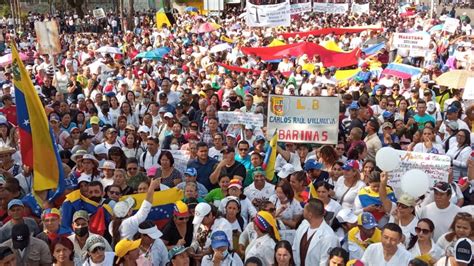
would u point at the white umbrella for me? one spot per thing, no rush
(220, 47)
(94, 67)
(109, 50)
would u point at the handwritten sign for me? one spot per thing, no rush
(330, 8)
(303, 119)
(98, 13)
(417, 40)
(268, 15)
(248, 119)
(434, 165)
(451, 25)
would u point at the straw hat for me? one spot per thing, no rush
(6, 149)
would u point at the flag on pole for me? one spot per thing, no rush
(37, 146)
(162, 18)
(270, 158)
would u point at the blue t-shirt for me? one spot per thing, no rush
(204, 171)
(421, 120)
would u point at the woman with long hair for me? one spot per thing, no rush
(331, 206)
(289, 210)
(338, 256)
(428, 144)
(179, 230)
(367, 168)
(221, 254)
(127, 111)
(89, 167)
(62, 250)
(267, 236)
(327, 156)
(283, 254)
(114, 110)
(120, 180)
(5, 128)
(422, 244)
(117, 155)
(347, 187)
(169, 175)
(460, 153)
(299, 183)
(124, 224)
(131, 147)
(247, 210)
(121, 125)
(462, 226)
(216, 195)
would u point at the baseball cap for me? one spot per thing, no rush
(100, 149)
(387, 124)
(230, 135)
(20, 235)
(259, 138)
(54, 117)
(366, 220)
(176, 250)
(149, 228)
(162, 95)
(235, 183)
(143, 129)
(108, 164)
(168, 115)
(85, 136)
(94, 120)
(121, 208)
(351, 165)
(191, 171)
(226, 104)
(407, 200)
(202, 209)
(181, 209)
(15, 202)
(387, 114)
(452, 109)
(125, 245)
(219, 239)
(258, 171)
(346, 216)
(82, 214)
(151, 171)
(286, 170)
(93, 242)
(463, 250)
(442, 187)
(354, 106)
(50, 212)
(452, 124)
(312, 165)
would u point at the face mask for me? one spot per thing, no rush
(81, 231)
(233, 98)
(174, 146)
(96, 199)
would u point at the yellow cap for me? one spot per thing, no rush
(124, 246)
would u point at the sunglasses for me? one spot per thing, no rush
(95, 250)
(115, 192)
(183, 218)
(132, 168)
(422, 230)
(243, 149)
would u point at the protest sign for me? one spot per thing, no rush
(274, 15)
(299, 8)
(47, 36)
(181, 159)
(468, 93)
(303, 119)
(360, 8)
(434, 165)
(248, 119)
(98, 13)
(451, 25)
(330, 8)
(417, 40)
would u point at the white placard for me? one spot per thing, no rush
(47, 37)
(300, 8)
(215, 5)
(181, 159)
(98, 13)
(417, 40)
(330, 8)
(248, 119)
(434, 165)
(268, 15)
(451, 25)
(469, 89)
(303, 119)
(360, 8)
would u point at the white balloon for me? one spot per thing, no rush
(387, 159)
(415, 183)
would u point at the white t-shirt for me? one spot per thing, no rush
(215, 154)
(435, 252)
(340, 189)
(292, 210)
(373, 256)
(252, 193)
(442, 218)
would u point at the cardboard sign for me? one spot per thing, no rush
(98, 13)
(268, 15)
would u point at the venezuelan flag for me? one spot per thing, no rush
(270, 158)
(402, 71)
(161, 18)
(369, 197)
(38, 148)
(162, 206)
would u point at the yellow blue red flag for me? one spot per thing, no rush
(270, 158)
(38, 148)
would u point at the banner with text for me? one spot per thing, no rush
(330, 8)
(360, 8)
(417, 40)
(248, 119)
(303, 119)
(434, 165)
(299, 8)
(268, 15)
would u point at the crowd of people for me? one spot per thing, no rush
(127, 125)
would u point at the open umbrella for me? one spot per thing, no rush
(455, 79)
(109, 50)
(7, 59)
(94, 67)
(154, 54)
(220, 47)
(191, 9)
(208, 27)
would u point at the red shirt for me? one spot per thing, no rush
(10, 114)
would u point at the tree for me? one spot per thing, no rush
(77, 5)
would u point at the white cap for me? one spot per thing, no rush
(108, 165)
(143, 129)
(84, 177)
(100, 149)
(152, 232)
(122, 207)
(201, 210)
(346, 216)
(168, 115)
(286, 170)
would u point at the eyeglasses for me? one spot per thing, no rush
(95, 250)
(422, 230)
(403, 206)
